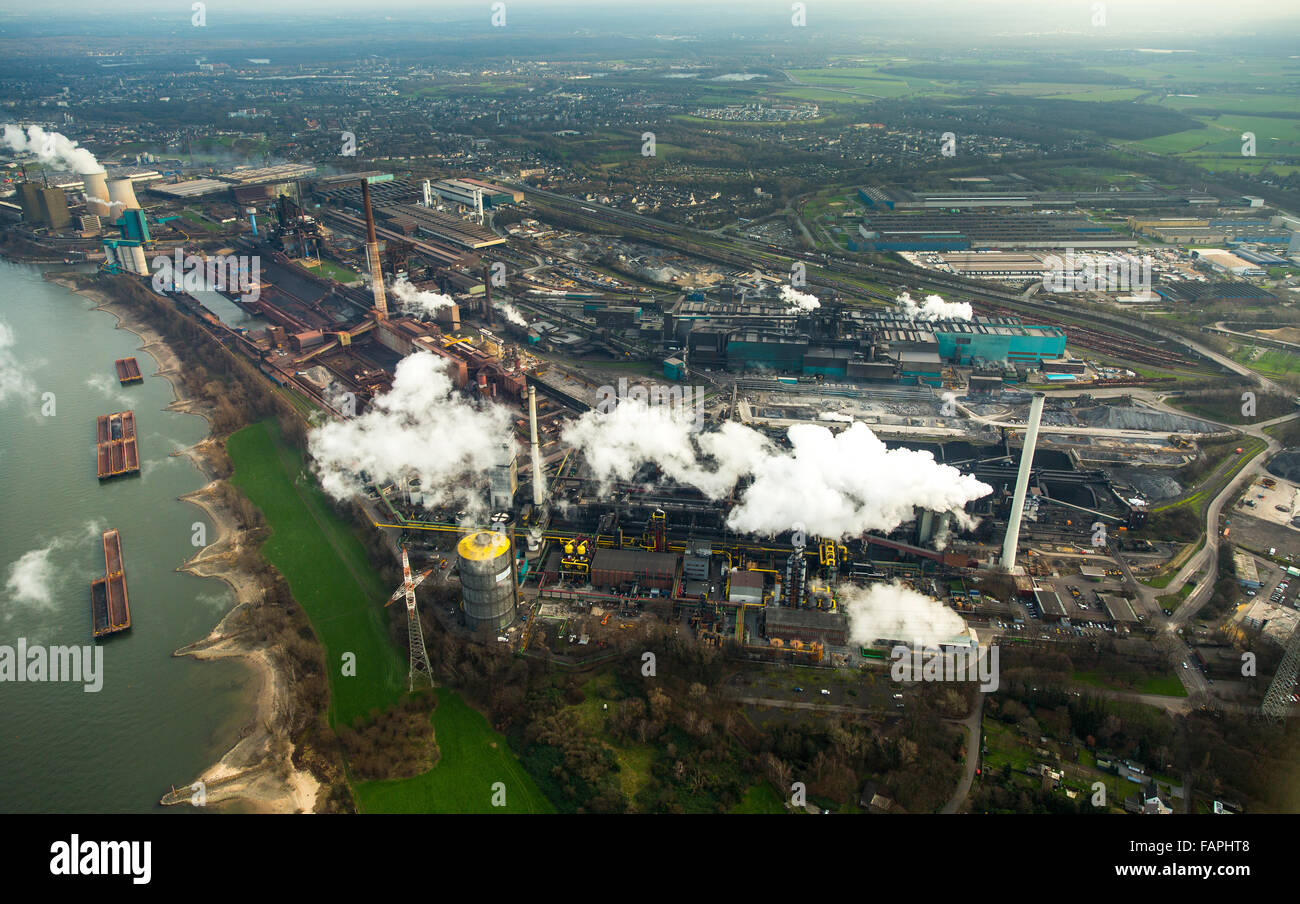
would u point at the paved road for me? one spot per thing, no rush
(974, 725)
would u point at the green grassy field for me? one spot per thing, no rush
(1272, 362)
(1163, 685)
(332, 580)
(760, 799)
(335, 272)
(326, 568)
(472, 758)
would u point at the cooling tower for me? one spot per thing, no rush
(95, 186)
(122, 193)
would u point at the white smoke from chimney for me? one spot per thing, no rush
(50, 148)
(803, 301)
(417, 301)
(895, 612)
(512, 314)
(837, 485)
(934, 308)
(842, 484)
(615, 445)
(418, 428)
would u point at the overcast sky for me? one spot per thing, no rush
(660, 16)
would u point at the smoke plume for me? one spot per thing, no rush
(894, 612)
(836, 485)
(512, 314)
(51, 148)
(615, 445)
(417, 301)
(803, 301)
(417, 429)
(934, 308)
(842, 484)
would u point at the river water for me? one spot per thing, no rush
(158, 719)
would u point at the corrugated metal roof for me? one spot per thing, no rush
(637, 561)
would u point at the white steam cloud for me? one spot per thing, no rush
(618, 443)
(417, 301)
(842, 484)
(31, 578)
(512, 314)
(417, 429)
(835, 485)
(803, 301)
(934, 308)
(14, 381)
(895, 612)
(50, 148)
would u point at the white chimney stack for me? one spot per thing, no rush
(539, 485)
(1012, 539)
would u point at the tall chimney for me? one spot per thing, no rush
(487, 294)
(539, 485)
(1012, 539)
(372, 255)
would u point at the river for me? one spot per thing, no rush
(158, 719)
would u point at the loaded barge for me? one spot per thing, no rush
(116, 448)
(110, 611)
(128, 371)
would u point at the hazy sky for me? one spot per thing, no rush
(665, 16)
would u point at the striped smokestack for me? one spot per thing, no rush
(487, 294)
(372, 256)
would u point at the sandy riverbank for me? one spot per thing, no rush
(258, 772)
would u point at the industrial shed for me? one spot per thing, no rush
(807, 625)
(1119, 609)
(612, 567)
(1050, 604)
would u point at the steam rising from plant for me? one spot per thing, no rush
(418, 301)
(934, 308)
(512, 314)
(51, 148)
(894, 612)
(420, 428)
(804, 301)
(835, 484)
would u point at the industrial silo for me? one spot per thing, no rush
(486, 561)
(122, 193)
(95, 186)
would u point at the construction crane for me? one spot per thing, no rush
(414, 633)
